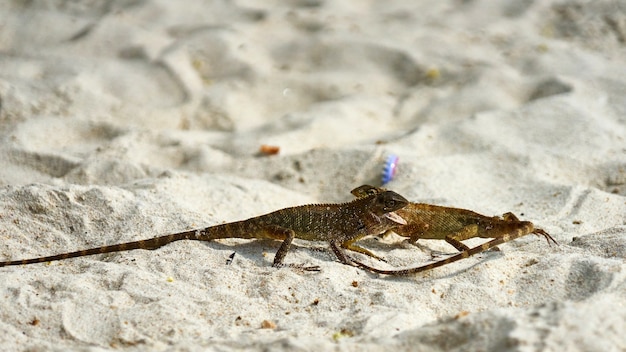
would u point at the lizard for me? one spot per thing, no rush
(339, 224)
(452, 225)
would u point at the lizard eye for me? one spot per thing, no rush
(390, 204)
(390, 201)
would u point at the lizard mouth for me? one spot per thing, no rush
(395, 218)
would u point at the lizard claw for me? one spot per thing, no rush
(541, 232)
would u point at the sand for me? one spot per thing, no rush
(126, 120)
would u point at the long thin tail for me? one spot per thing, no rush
(465, 254)
(152, 243)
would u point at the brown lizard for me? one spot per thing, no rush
(452, 225)
(339, 224)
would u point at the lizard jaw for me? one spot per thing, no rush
(395, 218)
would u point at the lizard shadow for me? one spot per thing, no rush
(261, 252)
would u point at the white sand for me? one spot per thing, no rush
(135, 119)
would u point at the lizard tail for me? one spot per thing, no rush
(150, 244)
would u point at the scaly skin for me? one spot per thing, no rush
(339, 224)
(452, 225)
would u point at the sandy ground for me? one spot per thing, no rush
(125, 120)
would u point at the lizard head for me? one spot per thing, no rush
(387, 202)
(383, 204)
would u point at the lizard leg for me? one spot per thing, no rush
(339, 252)
(414, 230)
(356, 248)
(287, 236)
(465, 233)
(539, 232)
(510, 217)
